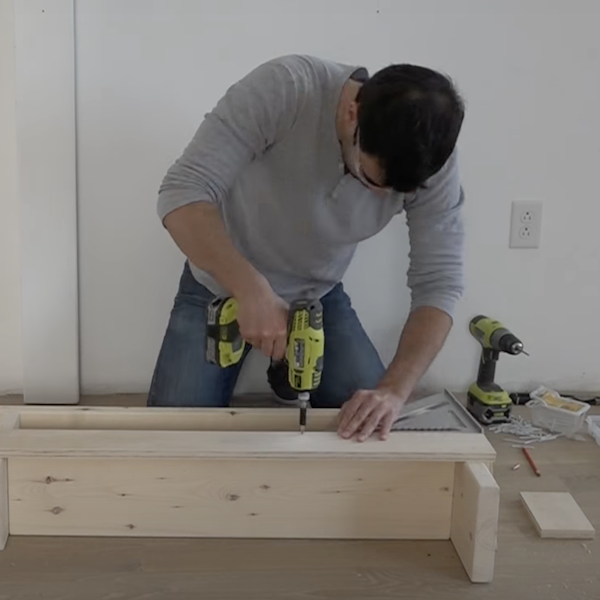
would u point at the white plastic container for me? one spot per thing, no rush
(594, 428)
(551, 411)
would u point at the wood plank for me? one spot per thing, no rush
(183, 419)
(557, 515)
(260, 499)
(475, 520)
(244, 445)
(8, 422)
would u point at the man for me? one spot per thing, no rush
(298, 162)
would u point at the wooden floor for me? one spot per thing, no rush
(146, 569)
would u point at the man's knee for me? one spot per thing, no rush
(340, 381)
(351, 361)
(183, 377)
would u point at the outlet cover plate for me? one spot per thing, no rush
(525, 224)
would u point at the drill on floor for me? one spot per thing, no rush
(292, 378)
(486, 400)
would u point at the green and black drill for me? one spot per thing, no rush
(294, 377)
(487, 401)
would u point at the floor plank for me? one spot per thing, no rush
(149, 569)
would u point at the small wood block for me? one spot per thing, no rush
(557, 515)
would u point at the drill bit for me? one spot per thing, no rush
(303, 398)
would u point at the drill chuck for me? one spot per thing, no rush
(508, 343)
(493, 335)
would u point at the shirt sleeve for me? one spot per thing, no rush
(253, 114)
(437, 239)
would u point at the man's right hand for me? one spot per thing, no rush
(199, 232)
(263, 321)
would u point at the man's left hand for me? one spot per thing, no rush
(367, 411)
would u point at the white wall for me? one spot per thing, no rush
(145, 78)
(11, 369)
(147, 72)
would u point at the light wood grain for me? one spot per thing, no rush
(168, 419)
(8, 422)
(161, 498)
(557, 515)
(475, 520)
(411, 446)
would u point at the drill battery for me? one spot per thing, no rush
(489, 404)
(224, 344)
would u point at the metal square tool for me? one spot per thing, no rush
(440, 412)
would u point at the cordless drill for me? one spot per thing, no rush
(299, 373)
(487, 401)
(294, 377)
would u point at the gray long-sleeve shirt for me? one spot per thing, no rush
(268, 156)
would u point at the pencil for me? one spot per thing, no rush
(531, 462)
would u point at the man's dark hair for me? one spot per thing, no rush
(409, 118)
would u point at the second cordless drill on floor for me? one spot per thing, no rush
(294, 377)
(487, 401)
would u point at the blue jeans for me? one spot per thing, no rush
(183, 376)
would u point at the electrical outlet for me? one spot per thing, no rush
(525, 224)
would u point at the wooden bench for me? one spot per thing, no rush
(80, 471)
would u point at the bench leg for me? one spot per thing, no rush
(3, 502)
(7, 422)
(474, 524)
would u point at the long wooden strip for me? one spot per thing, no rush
(410, 446)
(256, 498)
(47, 409)
(184, 419)
(475, 520)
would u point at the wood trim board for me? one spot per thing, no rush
(169, 419)
(240, 445)
(218, 433)
(242, 473)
